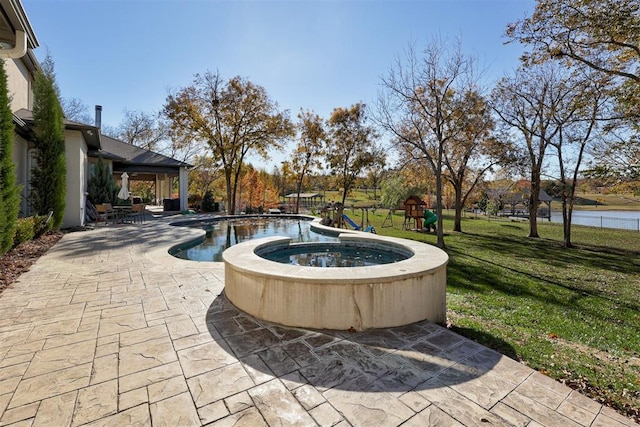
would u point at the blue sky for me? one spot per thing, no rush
(316, 55)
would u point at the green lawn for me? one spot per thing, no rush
(573, 314)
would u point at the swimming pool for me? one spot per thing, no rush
(224, 232)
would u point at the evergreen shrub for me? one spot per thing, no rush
(207, 202)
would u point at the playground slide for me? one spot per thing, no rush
(350, 222)
(430, 221)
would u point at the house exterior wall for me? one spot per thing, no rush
(20, 87)
(77, 178)
(21, 162)
(20, 84)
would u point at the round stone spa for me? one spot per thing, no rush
(409, 287)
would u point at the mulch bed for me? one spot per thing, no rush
(19, 259)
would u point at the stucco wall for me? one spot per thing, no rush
(20, 160)
(19, 83)
(77, 170)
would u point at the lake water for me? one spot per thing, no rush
(624, 220)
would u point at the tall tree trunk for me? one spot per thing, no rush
(231, 202)
(299, 188)
(534, 202)
(457, 222)
(439, 198)
(566, 220)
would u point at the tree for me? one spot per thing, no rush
(349, 143)
(376, 170)
(601, 34)
(234, 118)
(48, 183)
(203, 174)
(473, 151)
(255, 191)
(9, 190)
(142, 129)
(252, 190)
(310, 147)
(102, 185)
(422, 107)
(527, 103)
(578, 121)
(76, 110)
(207, 202)
(395, 190)
(618, 159)
(270, 196)
(281, 177)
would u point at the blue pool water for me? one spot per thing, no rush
(333, 255)
(222, 234)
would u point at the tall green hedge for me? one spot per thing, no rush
(48, 183)
(9, 191)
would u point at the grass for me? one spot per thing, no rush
(573, 314)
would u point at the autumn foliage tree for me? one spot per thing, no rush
(526, 103)
(603, 35)
(349, 143)
(235, 118)
(309, 150)
(202, 175)
(256, 192)
(473, 151)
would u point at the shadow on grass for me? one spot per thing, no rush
(540, 254)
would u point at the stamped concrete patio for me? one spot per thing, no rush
(108, 329)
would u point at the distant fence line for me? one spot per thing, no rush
(608, 222)
(576, 219)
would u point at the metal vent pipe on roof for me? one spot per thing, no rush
(98, 123)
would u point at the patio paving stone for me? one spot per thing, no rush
(108, 329)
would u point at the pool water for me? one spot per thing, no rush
(222, 234)
(332, 255)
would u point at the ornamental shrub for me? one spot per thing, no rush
(48, 181)
(25, 230)
(102, 184)
(9, 190)
(207, 202)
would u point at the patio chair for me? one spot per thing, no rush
(106, 213)
(137, 213)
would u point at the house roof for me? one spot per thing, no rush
(136, 156)
(543, 196)
(304, 195)
(15, 19)
(12, 19)
(91, 134)
(129, 157)
(414, 200)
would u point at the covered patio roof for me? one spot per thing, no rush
(133, 159)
